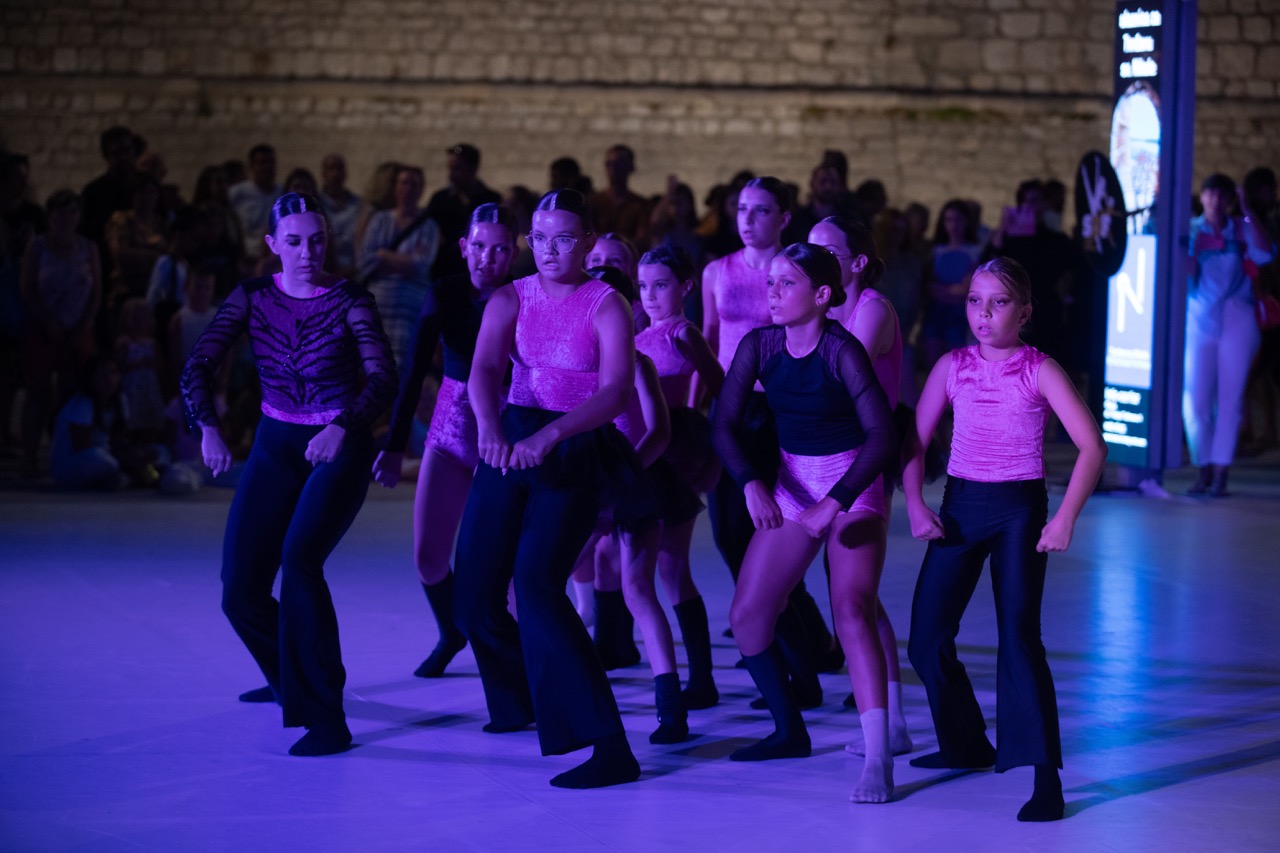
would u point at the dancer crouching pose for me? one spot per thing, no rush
(544, 463)
(870, 317)
(995, 504)
(312, 335)
(835, 433)
(451, 311)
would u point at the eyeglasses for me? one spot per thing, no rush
(562, 243)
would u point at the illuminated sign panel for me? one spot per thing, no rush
(1131, 299)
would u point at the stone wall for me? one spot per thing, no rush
(936, 99)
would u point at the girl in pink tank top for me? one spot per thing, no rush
(734, 293)
(690, 465)
(995, 505)
(871, 319)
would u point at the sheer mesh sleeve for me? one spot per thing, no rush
(413, 375)
(730, 406)
(210, 348)
(872, 406)
(377, 361)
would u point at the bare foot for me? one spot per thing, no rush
(876, 784)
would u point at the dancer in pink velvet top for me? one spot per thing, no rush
(450, 314)
(548, 463)
(1002, 392)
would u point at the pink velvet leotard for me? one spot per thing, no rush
(556, 357)
(888, 366)
(742, 303)
(1000, 416)
(675, 372)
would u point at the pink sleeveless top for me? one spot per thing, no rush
(742, 301)
(888, 367)
(556, 355)
(1000, 416)
(675, 372)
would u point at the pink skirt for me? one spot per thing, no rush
(453, 425)
(805, 480)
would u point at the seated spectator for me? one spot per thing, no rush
(135, 239)
(91, 448)
(61, 289)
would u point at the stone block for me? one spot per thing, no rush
(805, 51)
(958, 55)
(65, 60)
(1262, 89)
(1256, 28)
(1268, 63)
(999, 55)
(1224, 28)
(925, 26)
(1235, 61)
(151, 62)
(1021, 25)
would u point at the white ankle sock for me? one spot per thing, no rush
(875, 734)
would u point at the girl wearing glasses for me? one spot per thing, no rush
(451, 312)
(545, 462)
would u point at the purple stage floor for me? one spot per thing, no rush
(122, 731)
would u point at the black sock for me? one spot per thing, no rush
(701, 691)
(1046, 800)
(615, 631)
(673, 718)
(978, 756)
(452, 641)
(790, 738)
(258, 694)
(326, 739)
(795, 647)
(611, 763)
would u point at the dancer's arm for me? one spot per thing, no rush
(488, 365)
(1078, 421)
(698, 392)
(707, 370)
(726, 416)
(197, 383)
(653, 410)
(925, 523)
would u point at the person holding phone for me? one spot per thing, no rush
(1222, 333)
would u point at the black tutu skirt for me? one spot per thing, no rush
(691, 454)
(601, 458)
